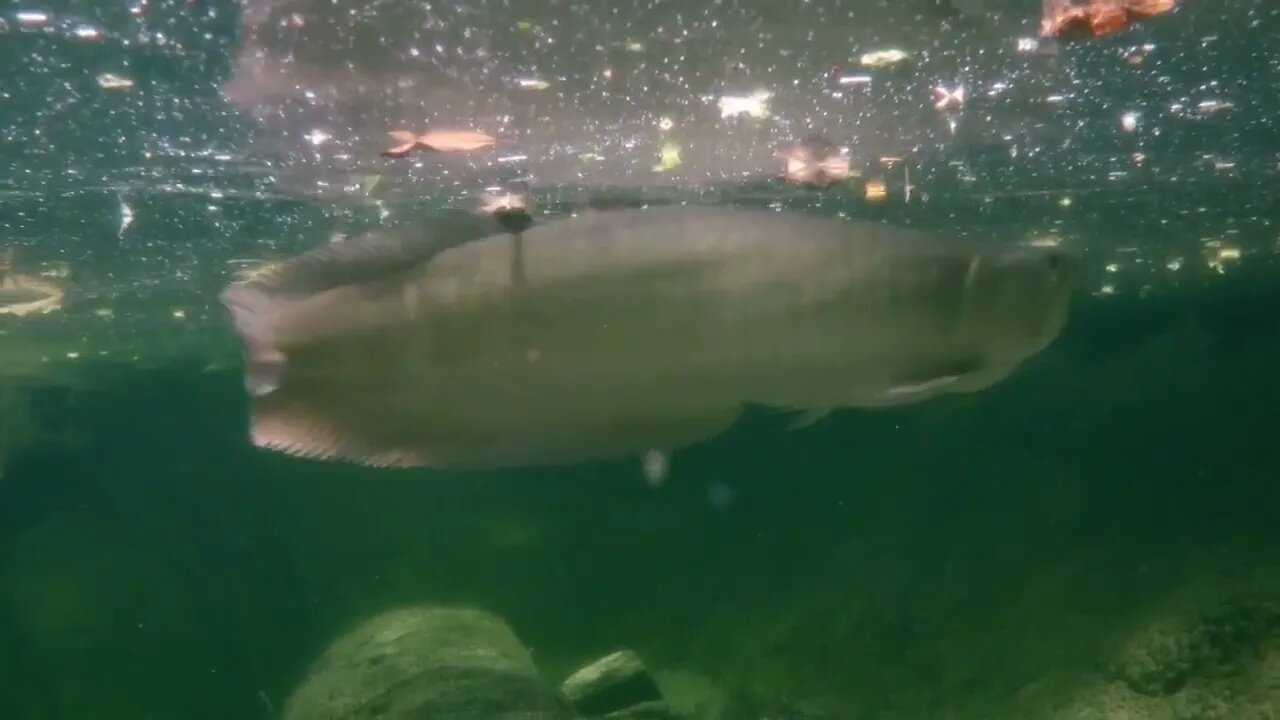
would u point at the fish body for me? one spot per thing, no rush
(624, 332)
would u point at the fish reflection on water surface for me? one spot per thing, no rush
(619, 333)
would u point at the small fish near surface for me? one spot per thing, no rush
(437, 141)
(1079, 19)
(626, 333)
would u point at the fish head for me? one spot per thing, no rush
(1016, 299)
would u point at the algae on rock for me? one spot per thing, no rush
(426, 662)
(613, 683)
(1220, 661)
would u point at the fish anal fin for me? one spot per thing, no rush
(808, 418)
(295, 431)
(930, 377)
(920, 388)
(940, 370)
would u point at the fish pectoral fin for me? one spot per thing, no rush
(808, 418)
(297, 431)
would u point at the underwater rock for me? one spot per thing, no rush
(426, 662)
(611, 684)
(1219, 643)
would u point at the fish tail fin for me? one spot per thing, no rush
(253, 315)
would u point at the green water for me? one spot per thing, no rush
(1093, 538)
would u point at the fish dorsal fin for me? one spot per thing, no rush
(371, 256)
(259, 302)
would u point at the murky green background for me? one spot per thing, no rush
(1043, 549)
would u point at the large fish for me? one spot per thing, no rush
(624, 333)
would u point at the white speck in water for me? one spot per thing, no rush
(126, 217)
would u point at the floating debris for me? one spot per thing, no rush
(755, 104)
(948, 98)
(111, 81)
(126, 218)
(875, 191)
(814, 161)
(1218, 254)
(531, 83)
(1045, 241)
(32, 18)
(883, 58)
(668, 157)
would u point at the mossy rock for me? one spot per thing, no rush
(423, 663)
